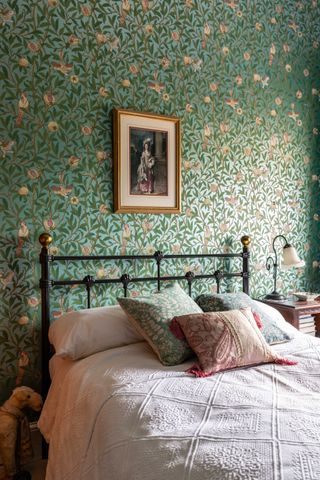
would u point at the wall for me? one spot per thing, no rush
(314, 273)
(244, 79)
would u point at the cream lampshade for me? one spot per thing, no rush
(290, 257)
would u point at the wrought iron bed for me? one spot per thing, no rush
(47, 283)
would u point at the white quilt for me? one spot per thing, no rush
(121, 415)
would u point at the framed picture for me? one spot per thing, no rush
(146, 151)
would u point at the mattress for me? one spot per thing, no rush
(121, 415)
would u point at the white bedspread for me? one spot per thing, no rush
(121, 415)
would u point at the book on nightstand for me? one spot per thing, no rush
(307, 332)
(306, 319)
(306, 324)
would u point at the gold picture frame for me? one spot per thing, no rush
(146, 152)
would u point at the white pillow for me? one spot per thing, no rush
(285, 326)
(81, 333)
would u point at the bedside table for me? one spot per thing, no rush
(292, 311)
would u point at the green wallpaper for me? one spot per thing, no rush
(244, 78)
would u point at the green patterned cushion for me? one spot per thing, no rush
(271, 330)
(151, 316)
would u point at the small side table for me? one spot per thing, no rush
(292, 311)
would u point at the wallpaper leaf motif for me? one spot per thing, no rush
(244, 79)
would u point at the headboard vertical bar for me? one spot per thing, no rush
(245, 240)
(125, 280)
(190, 277)
(45, 284)
(218, 276)
(158, 275)
(88, 281)
(88, 296)
(158, 255)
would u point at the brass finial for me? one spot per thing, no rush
(45, 239)
(246, 240)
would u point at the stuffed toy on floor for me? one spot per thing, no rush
(15, 438)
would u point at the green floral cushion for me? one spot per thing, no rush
(151, 315)
(271, 330)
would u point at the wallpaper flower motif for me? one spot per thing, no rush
(244, 79)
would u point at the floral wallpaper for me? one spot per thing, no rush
(244, 78)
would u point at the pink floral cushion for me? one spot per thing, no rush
(224, 340)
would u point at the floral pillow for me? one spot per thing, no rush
(224, 340)
(151, 316)
(271, 329)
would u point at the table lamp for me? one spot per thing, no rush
(290, 258)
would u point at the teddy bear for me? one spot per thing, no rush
(15, 438)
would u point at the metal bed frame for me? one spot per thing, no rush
(46, 283)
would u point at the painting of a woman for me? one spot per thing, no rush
(145, 170)
(148, 162)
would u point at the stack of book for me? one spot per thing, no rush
(306, 324)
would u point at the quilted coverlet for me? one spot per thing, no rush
(121, 415)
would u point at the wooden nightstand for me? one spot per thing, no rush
(292, 311)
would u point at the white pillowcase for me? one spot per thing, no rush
(285, 326)
(81, 333)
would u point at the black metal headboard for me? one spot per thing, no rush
(46, 283)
